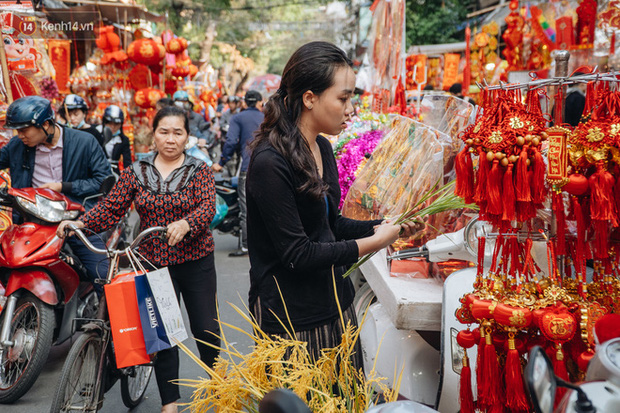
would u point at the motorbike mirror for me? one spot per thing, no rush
(282, 401)
(107, 184)
(540, 380)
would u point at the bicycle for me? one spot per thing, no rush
(90, 368)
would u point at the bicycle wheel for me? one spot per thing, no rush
(134, 382)
(76, 389)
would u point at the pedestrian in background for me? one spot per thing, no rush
(240, 133)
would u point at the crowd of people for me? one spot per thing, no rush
(298, 243)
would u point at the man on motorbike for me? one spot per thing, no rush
(198, 126)
(46, 155)
(115, 143)
(74, 110)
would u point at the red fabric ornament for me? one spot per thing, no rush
(146, 51)
(176, 45)
(577, 185)
(148, 97)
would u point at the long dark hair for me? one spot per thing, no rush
(311, 67)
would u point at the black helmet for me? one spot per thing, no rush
(253, 96)
(29, 111)
(113, 114)
(74, 102)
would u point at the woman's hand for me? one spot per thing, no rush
(386, 233)
(60, 231)
(176, 231)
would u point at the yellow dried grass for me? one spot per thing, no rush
(239, 381)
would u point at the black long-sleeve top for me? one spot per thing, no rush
(296, 240)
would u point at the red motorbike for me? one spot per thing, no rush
(45, 287)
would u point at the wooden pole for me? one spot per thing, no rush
(5, 74)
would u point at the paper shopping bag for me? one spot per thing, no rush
(167, 305)
(129, 346)
(153, 329)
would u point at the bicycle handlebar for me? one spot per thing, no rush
(80, 234)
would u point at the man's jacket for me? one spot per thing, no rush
(84, 165)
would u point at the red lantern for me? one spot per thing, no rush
(139, 77)
(176, 45)
(147, 98)
(146, 51)
(577, 185)
(181, 69)
(509, 316)
(193, 69)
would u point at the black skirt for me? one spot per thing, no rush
(323, 337)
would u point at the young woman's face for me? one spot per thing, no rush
(333, 107)
(170, 137)
(76, 116)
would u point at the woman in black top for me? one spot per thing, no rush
(296, 236)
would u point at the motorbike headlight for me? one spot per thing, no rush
(46, 209)
(475, 229)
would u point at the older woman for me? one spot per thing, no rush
(177, 191)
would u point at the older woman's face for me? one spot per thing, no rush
(170, 137)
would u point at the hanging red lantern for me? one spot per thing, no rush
(176, 45)
(139, 77)
(193, 69)
(148, 97)
(146, 51)
(181, 69)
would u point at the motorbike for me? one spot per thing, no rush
(43, 286)
(226, 189)
(425, 361)
(599, 393)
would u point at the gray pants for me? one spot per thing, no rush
(243, 210)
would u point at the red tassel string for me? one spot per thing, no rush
(508, 197)
(515, 393)
(559, 368)
(480, 361)
(539, 190)
(560, 219)
(466, 395)
(522, 184)
(489, 394)
(494, 191)
(464, 168)
(602, 203)
(480, 270)
(580, 249)
(480, 197)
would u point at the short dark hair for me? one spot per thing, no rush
(163, 102)
(168, 111)
(456, 89)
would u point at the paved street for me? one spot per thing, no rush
(233, 284)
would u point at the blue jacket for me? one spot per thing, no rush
(240, 133)
(84, 165)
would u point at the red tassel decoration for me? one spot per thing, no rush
(490, 393)
(522, 183)
(515, 392)
(560, 219)
(559, 368)
(538, 189)
(464, 168)
(484, 168)
(508, 198)
(602, 203)
(479, 371)
(494, 190)
(465, 392)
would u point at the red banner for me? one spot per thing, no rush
(60, 55)
(450, 69)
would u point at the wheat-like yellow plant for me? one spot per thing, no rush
(237, 382)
